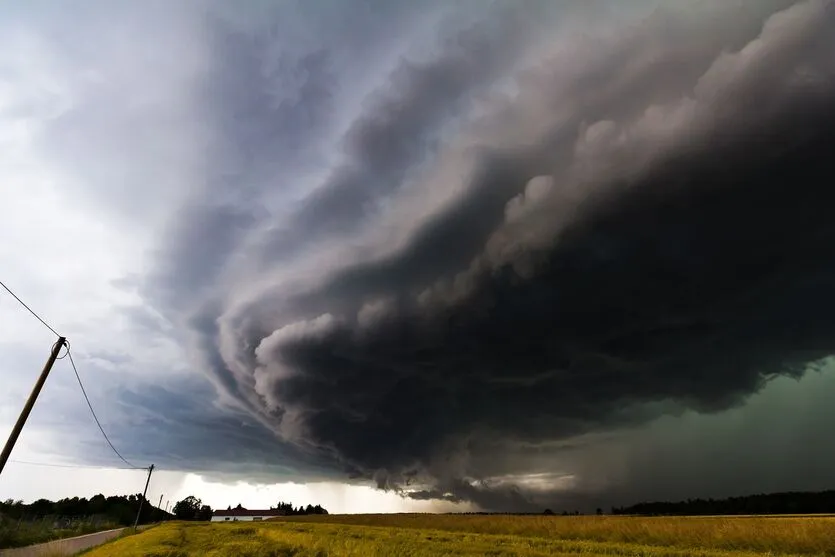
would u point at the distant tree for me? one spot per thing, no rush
(98, 504)
(41, 507)
(599, 511)
(205, 513)
(188, 508)
(287, 509)
(548, 512)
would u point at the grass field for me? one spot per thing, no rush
(438, 535)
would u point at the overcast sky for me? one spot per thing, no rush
(421, 255)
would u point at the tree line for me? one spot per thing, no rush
(286, 509)
(192, 508)
(790, 502)
(118, 509)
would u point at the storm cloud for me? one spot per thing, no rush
(518, 241)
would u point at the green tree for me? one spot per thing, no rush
(188, 508)
(205, 513)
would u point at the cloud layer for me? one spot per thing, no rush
(468, 252)
(526, 241)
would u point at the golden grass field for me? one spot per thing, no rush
(496, 535)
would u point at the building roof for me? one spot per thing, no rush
(247, 512)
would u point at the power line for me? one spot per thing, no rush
(93, 412)
(52, 465)
(38, 317)
(77, 376)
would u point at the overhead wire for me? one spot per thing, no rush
(80, 466)
(30, 310)
(77, 376)
(95, 417)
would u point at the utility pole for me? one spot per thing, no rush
(136, 523)
(27, 408)
(159, 505)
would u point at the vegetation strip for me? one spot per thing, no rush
(430, 535)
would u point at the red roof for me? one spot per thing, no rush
(248, 512)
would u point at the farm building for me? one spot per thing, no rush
(245, 515)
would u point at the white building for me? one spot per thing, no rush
(244, 515)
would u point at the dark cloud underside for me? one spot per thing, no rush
(641, 230)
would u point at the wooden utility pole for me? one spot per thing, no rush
(27, 408)
(139, 512)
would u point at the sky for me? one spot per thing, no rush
(420, 256)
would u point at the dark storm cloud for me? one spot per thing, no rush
(269, 97)
(267, 131)
(458, 491)
(182, 431)
(695, 282)
(400, 128)
(266, 106)
(206, 235)
(174, 424)
(645, 229)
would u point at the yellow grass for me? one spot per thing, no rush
(438, 535)
(781, 534)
